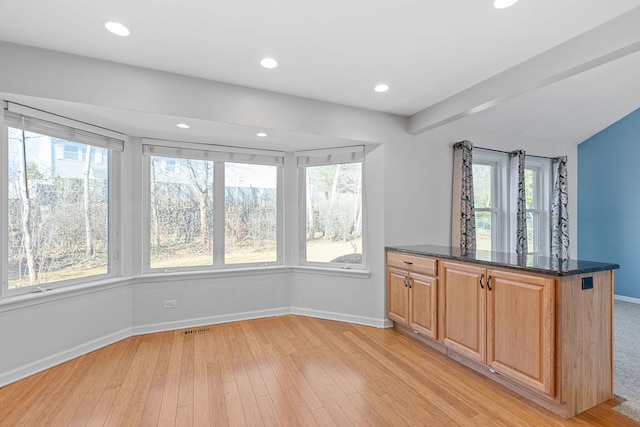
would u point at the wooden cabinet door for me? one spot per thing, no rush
(423, 305)
(520, 328)
(465, 309)
(398, 296)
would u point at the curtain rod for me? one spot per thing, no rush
(507, 152)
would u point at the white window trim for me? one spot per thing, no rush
(542, 166)
(325, 157)
(115, 144)
(501, 240)
(4, 213)
(219, 225)
(500, 214)
(217, 154)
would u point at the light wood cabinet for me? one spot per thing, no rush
(397, 296)
(501, 319)
(520, 316)
(546, 336)
(422, 305)
(465, 309)
(412, 293)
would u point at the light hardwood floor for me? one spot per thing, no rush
(290, 370)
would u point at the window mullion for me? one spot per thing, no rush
(218, 214)
(4, 213)
(280, 216)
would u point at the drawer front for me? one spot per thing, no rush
(413, 263)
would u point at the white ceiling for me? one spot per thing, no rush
(335, 50)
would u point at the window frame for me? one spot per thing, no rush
(114, 143)
(279, 219)
(328, 157)
(499, 211)
(505, 226)
(542, 195)
(219, 155)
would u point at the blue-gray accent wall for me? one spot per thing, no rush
(609, 201)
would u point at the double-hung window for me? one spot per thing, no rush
(331, 192)
(537, 174)
(494, 220)
(207, 208)
(60, 201)
(489, 180)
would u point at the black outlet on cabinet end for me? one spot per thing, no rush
(587, 283)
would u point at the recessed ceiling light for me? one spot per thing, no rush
(269, 63)
(261, 134)
(503, 4)
(381, 87)
(183, 126)
(116, 28)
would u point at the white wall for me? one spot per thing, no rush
(417, 186)
(208, 300)
(40, 331)
(408, 201)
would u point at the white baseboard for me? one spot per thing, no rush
(61, 357)
(209, 320)
(627, 299)
(348, 318)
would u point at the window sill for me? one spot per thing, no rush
(343, 272)
(170, 276)
(14, 302)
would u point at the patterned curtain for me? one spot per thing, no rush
(559, 210)
(463, 219)
(518, 202)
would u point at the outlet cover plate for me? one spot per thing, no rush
(170, 303)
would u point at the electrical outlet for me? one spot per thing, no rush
(587, 283)
(171, 303)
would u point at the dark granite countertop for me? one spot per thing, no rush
(530, 263)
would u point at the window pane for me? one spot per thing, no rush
(530, 180)
(181, 212)
(334, 213)
(483, 231)
(250, 213)
(482, 185)
(58, 208)
(533, 232)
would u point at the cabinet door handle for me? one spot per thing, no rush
(481, 281)
(406, 279)
(489, 282)
(409, 282)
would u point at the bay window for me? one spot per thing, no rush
(331, 194)
(207, 208)
(59, 201)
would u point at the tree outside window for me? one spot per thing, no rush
(334, 213)
(58, 210)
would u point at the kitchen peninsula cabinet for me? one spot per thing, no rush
(539, 326)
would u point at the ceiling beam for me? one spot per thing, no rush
(608, 42)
